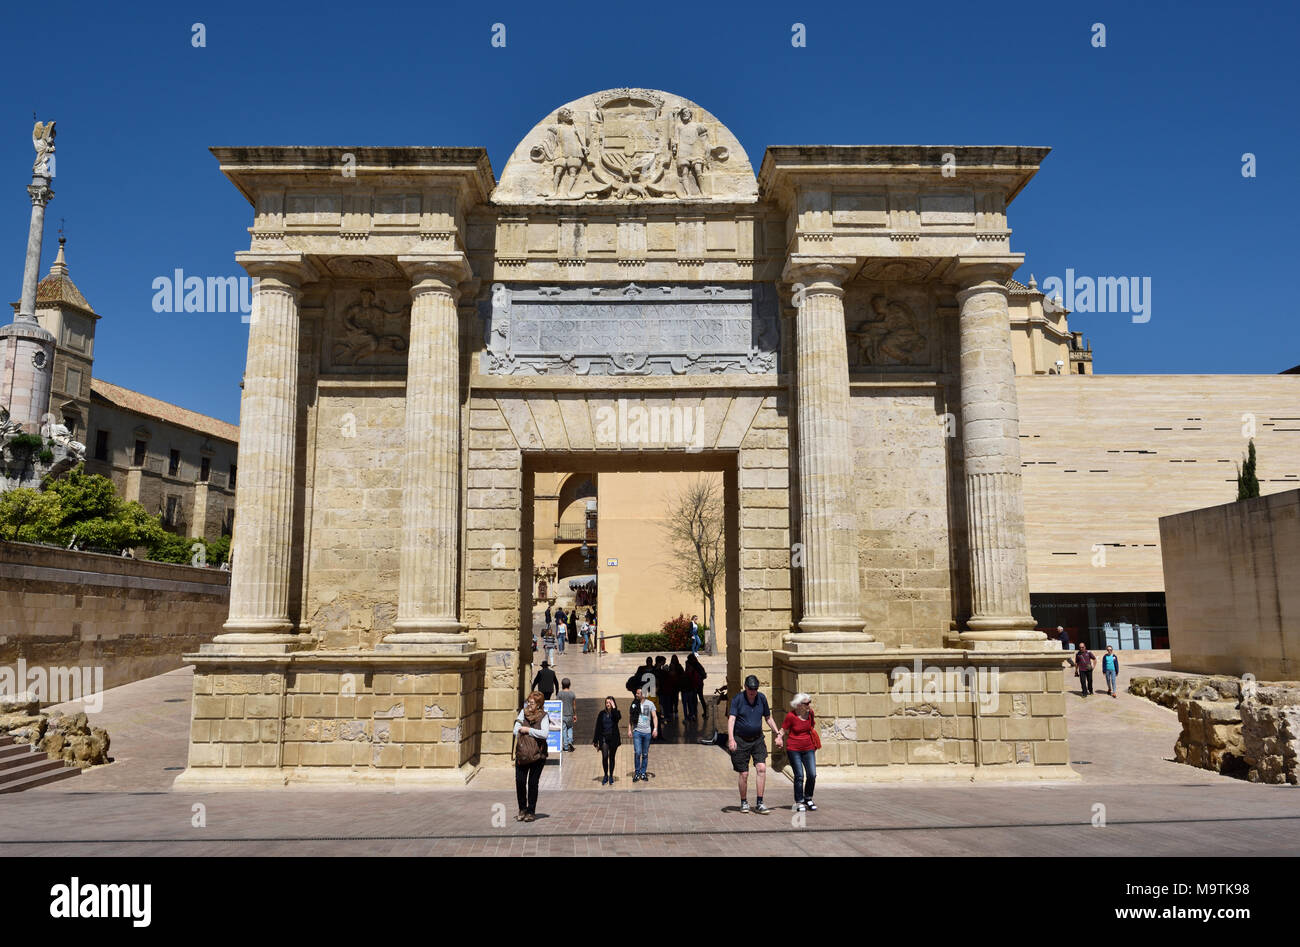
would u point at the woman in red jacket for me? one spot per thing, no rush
(801, 744)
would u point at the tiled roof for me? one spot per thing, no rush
(57, 287)
(128, 400)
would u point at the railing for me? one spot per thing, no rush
(574, 534)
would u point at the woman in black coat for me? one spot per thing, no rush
(606, 739)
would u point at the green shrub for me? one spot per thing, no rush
(46, 455)
(656, 641)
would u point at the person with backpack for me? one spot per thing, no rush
(745, 718)
(799, 731)
(606, 739)
(546, 682)
(1110, 668)
(531, 727)
(642, 726)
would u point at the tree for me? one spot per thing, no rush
(1247, 482)
(694, 526)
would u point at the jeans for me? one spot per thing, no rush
(803, 761)
(640, 751)
(527, 779)
(1110, 680)
(561, 643)
(568, 734)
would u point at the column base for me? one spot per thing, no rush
(831, 642)
(837, 624)
(1006, 640)
(252, 642)
(426, 637)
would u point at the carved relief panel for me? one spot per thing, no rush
(367, 325)
(891, 327)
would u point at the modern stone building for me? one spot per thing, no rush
(427, 341)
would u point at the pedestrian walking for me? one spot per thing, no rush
(673, 677)
(1110, 668)
(606, 739)
(568, 715)
(695, 633)
(547, 616)
(745, 718)
(546, 682)
(548, 645)
(1084, 660)
(561, 631)
(799, 731)
(693, 688)
(642, 726)
(531, 727)
(582, 635)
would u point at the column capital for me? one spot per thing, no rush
(40, 191)
(826, 273)
(291, 269)
(969, 272)
(431, 272)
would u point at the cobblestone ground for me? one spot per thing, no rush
(1121, 748)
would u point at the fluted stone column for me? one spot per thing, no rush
(995, 511)
(427, 600)
(832, 617)
(263, 550)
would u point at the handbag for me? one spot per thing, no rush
(816, 737)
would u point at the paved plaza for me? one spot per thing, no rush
(1121, 749)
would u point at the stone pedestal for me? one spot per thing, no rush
(931, 714)
(828, 515)
(427, 608)
(1000, 617)
(259, 590)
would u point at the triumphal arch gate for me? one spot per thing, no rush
(424, 337)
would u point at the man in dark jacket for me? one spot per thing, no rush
(546, 681)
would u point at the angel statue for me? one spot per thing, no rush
(43, 142)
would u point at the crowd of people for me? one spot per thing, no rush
(656, 688)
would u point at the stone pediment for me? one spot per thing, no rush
(628, 145)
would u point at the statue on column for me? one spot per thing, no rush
(43, 142)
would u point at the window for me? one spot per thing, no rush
(173, 507)
(173, 463)
(228, 524)
(233, 468)
(138, 459)
(205, 469)
(101, 445)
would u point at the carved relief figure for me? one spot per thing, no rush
(43, 142)
(888, 335)
(363, 336)
(565, 148)
(691, 150)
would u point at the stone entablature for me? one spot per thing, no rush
(423, 343)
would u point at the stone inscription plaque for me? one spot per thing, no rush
(630, 330)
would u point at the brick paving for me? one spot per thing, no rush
(1122, 749)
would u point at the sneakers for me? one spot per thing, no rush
(744, 806)
(762, 809)
(604, 780)
(800, 807)
(809, 804)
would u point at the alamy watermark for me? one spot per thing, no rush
(53, 685)
(181, 293)
(632, 424)
(944, 684)
(1127, 294)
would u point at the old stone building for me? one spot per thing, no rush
(428, 341)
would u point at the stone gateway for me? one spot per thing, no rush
(425, 340)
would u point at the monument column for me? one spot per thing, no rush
(428, 613)
(990, 424)
(27, 349)
(268, 418)
(832, 618)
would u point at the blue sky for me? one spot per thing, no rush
(1144, 180)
